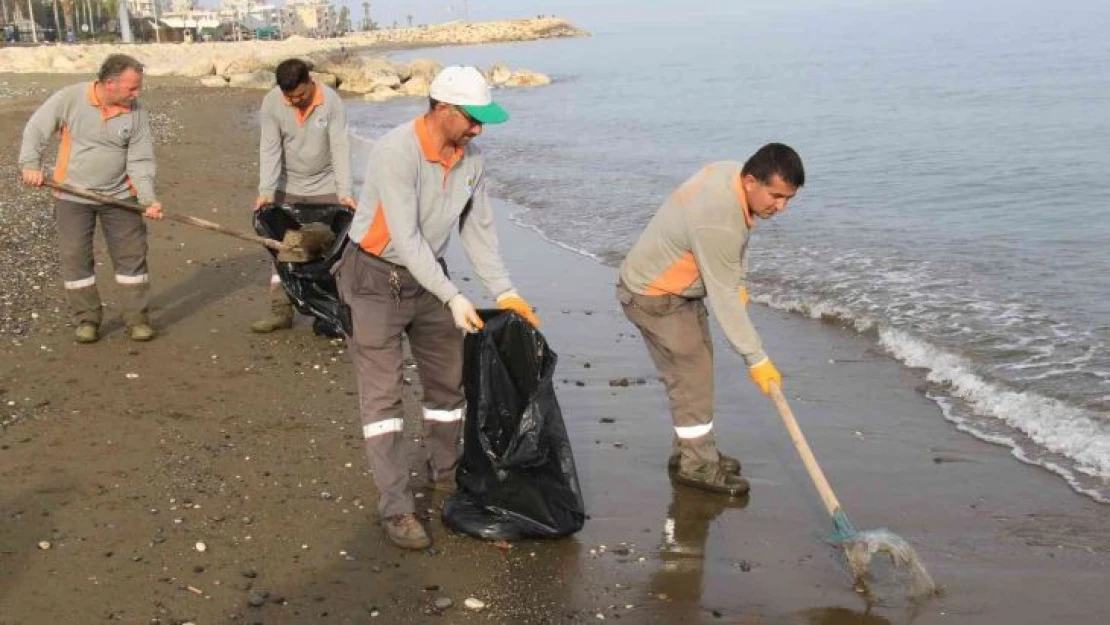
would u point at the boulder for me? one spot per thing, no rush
(416, 87)
(527, 78)
(326, 79)
(499, 74)
(426, 68)
(260, 79)
(381, 94)
(213, 81)
(197, 68)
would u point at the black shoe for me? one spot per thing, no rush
(728, 463)
(713, 478)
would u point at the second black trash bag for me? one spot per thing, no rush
(310, 285)
(516, 478)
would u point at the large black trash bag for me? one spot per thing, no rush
(310, 285)
(516, 478)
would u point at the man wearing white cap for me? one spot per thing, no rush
(424, 179)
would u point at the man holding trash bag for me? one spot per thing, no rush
(304, 158)
(424, 179)
(106, 147)
(695, 247)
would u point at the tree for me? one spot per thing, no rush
(67, 12)
(343, 24)
(409, 18)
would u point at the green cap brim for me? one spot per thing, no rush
(491, 113)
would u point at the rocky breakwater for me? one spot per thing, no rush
(226, 59)
(377, 79)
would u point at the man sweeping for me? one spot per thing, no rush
(304, 158)
(696, 247)
(424, 180)
(106, 147)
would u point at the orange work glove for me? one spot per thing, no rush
(764, 373)
(511, 300)
(744, 297)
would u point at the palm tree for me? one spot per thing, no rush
(67, 12)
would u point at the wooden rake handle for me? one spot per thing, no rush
(185, 219)
(814, 469)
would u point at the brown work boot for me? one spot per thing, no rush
(406, 532)
(87, 332)
(279, 318)
(728, 463)
(140, 332)
(713, 478)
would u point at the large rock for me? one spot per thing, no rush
(527, 78)
(327, 79)
(424, 68)
(381, 94)
(416, 87)
(500, 74)
(260, 79)
(240, 65)
(213, 81)
(196, 68)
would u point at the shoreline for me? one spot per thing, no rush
(239, 436)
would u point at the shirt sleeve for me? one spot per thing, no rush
(140, 159)
(43, 123)
(340, 144)
(269, 151)
(395, 180)
(718, 255)
(478, 235)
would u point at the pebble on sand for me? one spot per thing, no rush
(44, 544)
(201, 547)
(473, 603)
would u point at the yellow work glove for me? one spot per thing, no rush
(744, 297)
(763, 373)
(511, 300)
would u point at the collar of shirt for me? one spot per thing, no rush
(317, 100)
(431, 150)
(739, 186)
(106, 111)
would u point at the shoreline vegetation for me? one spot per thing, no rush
(340, 62)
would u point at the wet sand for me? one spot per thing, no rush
(251, 444)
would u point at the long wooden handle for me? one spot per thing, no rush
(186, 219)
(814, 469)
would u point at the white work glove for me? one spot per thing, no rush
(466, 317)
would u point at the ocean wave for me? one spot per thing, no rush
(1069, 440)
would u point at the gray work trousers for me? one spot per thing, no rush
(676, 333)
(279, 299)
(385, 303)
(125, 234)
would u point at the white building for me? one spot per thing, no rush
(146, 8)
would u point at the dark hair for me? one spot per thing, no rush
(776, 158)
(117, 64)
(432, 102)
(290, 73)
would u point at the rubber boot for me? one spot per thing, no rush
(280, 316)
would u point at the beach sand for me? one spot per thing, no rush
(251, 445)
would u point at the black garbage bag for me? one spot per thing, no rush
(310, 285)
(516, 478)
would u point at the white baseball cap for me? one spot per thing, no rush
(468, 89)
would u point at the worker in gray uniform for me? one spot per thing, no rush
(106, 146)
(304, 158)
(425, 179)
(696, 247)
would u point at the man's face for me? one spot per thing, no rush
(123, 89)
(767, 200)
(459, 127)
(301, 96)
